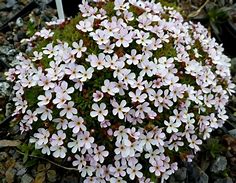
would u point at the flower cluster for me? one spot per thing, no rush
(132, 88)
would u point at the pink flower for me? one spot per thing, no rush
(97, 96)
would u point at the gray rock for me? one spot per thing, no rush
(219, 164)
(172, 179)
(196, 175)
(5, 50)
(70, 179)
(2, 6)
(26, 178)
(181, 174)
(20, 169)
(232, 132)
(9, 109)
(10, 3)
(4, 88)
(3, 156)
(225, 180)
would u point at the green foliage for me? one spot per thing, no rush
(31, 28)
(213, 147)
(44, 172)
(30, 95)
(216, 13)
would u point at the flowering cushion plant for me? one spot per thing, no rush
(124, 90)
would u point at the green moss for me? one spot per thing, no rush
(109, 8)
(167, 50)
(31, 95)
(68, 33)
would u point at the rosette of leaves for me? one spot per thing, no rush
(124, 89)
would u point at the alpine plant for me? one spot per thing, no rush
(122, 91)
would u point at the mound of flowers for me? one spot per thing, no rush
(125, 89)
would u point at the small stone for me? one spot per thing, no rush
(26, 178)
(219, 164)
(19, 22)
(3, 156)
(20, 169)
(232, 132)
(181, 174)
(225, 180)
(20, 35)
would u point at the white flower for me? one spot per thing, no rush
(118, 170)
(85, 26)
(194, 142)
(87, 170)
(109, 87)
(157, 167)
(107, 48)
(44, 33)
(138, 96)
(68, 110)
(147, 141)
(42, 136)
(142, 38)
(144, 107)
(46, 113)
(85, 140)
(46, 82)
(121, 134)
(37, 56)
(61, 123)
(97, 62)
(172, 126)
(84, 75)
(59, 151)
(119, 109)
(57, 139)
(73, 70)
(135, 171)
(99, 111)
(77, 124)
(134, 58)
(123, 37)
(30, 116)
(100, 36)
(79, 49)
(45, 99)
(80, 161)
(100, 153)
(121, 5)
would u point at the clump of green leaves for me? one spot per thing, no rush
(213, 147)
